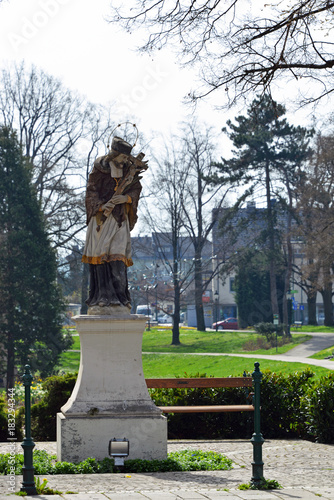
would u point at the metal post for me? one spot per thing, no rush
(28, 484)
(156, 303)
(216, 307)
(148, 310)
(257, 438)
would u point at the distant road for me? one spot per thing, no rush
(318, 342)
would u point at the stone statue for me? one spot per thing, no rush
(112, 196)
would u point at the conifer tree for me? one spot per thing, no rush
(267, 156)
(31, 305)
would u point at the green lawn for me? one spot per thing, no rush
(173, 365)
(323, 354)
(159, 340)
(69, 362)
(176, 361)
(76, 342)
(310, 328)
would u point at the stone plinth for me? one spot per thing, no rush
(110, 398)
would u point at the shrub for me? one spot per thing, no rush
(317, 409)
(292, 405)
(281, 397)
(269, 330)
(3, 419)
(262, 343)
(58, 389)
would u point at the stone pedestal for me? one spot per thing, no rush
(110, 398)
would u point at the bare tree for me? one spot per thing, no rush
(53, 124)
(316, 219)
(198, 199)
(241, 47)
(168, 183)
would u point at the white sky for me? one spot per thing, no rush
(71, 40)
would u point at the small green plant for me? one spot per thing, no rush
(201, 460)
(43, 489)
(185, 460)
(263, 484)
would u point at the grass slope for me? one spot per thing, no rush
(178, 360)
(193, 341)
(178, 365)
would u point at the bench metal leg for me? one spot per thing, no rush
(257, 438)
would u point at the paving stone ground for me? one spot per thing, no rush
(304, 469)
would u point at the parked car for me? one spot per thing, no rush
(226, 324)
(164, 319)
(145, 310)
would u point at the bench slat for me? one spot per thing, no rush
(179, 383)
(206, 409)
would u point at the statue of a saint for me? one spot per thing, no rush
(112, 196)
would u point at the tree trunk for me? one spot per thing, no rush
(312, 307)
(289, 263)
(176, 317)
(199, 295)
(272, 266)
(177, 292)
(287, 278)
(328, 306)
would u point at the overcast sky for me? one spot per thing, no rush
(72, 40)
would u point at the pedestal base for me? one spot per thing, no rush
(110, 398)
(79, 438)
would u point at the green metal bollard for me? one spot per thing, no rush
(257, 438)
(28, 483)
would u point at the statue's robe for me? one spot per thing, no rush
(108, 246)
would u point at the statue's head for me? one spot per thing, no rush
(121, 146)
(116, 159)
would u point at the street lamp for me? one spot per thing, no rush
(147, 289)
(216, 294)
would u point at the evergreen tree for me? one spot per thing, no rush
(31, 305)
(252, 287)
(267, 157)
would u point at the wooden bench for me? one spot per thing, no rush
(210, 382)
(189, 383)
(297, 324)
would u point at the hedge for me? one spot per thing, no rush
(294, 405)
